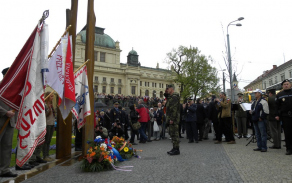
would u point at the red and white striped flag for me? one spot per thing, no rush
(22, 89)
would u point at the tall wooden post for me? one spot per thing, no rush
(64, 131)
(88, 130)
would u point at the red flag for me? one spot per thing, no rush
(69, 100)
(22, 90)
(12, 85)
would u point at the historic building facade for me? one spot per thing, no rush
(113, 77)
(272, 78)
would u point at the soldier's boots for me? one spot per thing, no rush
(174, 152)
(170, 151)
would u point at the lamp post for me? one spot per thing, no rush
(229, 57)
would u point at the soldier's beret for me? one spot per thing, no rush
(285, 80)
(116, 103)
(240, 94)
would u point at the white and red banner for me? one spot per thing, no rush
(68, 99)
(82, 107)
(22, 90)
(55, 76)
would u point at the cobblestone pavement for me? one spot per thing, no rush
(202, 162)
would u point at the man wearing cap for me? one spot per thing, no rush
(284, 112)
(259, 111)
(115, 113)
(274, 125)
(240, 116)
(173, 117)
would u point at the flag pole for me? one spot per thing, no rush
(74, 73)
(87, 132)
(54, 49)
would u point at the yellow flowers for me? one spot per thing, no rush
(126, 149)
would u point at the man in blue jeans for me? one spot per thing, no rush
(259, 111)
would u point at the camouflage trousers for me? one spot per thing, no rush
(174, 134)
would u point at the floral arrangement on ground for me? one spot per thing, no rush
(103, 154)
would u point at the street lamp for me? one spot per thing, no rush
(229, 57)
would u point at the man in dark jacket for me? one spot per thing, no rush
(190, 112)
(275, 126)
(284, 111)
(213, 115)
(115, 113)
(201, 115)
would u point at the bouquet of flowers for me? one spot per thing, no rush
(99, 156)
(124, 148)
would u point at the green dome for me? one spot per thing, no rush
(132, 52)
(101, 39)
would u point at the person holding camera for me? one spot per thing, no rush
(224, 117)
(190, 111)
(116, 130)
(100, 131)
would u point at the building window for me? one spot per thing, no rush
(152, 84)
(265, 85)
(112, 80)
(104, 79)
(162, 85)
(159, 85)
(102, 56)
(95, 88)
(290, 73)
(145, 83)
(133, 90)
(155, 85)
(282, 76)
(119, 90)
(271, 82)
(95, 55)
(276, 81)
(112, 90)
(120, 81)
(140, 83)
(103, 89)
(95, 78)
(148, 84)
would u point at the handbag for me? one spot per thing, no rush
(136, 126)
(155, 127)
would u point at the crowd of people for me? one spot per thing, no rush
(148, 119)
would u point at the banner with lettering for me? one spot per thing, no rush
(31, 120)
(68, 100)
(82, 106)
(55, 76)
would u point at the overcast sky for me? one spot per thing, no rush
(154, 27)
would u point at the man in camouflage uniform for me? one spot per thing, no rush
(173, 117)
